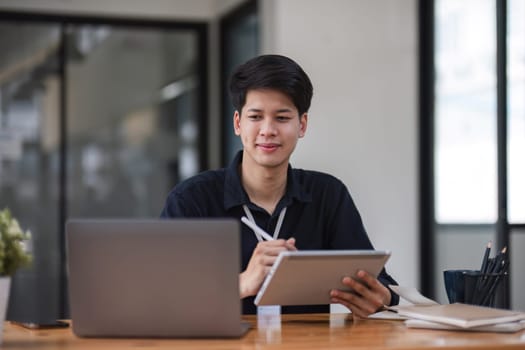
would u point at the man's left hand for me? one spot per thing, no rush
(367, 297)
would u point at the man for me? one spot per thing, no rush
(303, 209)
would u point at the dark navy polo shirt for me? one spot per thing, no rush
(320, 214)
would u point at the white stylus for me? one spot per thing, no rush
(257, 229)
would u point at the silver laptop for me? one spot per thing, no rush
(154, 278)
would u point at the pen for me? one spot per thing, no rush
(486, 258)
(257, 229)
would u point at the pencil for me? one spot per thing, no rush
(257, 229)
(502, 256)
(492, 277)
(494, 285)
(484, 263)
(482, 279)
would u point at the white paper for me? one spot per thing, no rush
(412, 295)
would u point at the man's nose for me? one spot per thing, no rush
(268, 127)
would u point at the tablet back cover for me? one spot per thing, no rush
(306, 277)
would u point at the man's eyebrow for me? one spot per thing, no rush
(282, 110)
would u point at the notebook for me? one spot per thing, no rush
(306, 277)
(460, 315)
(154, 278)
(507, 327)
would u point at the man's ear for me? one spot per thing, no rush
(303, 123)
(237, 123)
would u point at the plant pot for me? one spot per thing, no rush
(5, 284)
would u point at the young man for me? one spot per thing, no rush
(303, 209)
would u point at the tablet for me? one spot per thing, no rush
(306, 277)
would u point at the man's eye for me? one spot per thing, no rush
(254, 117)
(283, 118)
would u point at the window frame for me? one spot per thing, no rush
(426, 109)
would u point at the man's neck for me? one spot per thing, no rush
(265, 186)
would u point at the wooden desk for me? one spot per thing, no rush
(321, 331)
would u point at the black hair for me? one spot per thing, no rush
(274, 72)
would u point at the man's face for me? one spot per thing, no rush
(269, 127)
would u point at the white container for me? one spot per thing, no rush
(5, 284)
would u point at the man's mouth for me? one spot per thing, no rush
(268, 146)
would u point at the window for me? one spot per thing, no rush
(516, 110)
(473, 116)
(465, 113)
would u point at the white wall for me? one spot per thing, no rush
(517, 241)
(362, 59)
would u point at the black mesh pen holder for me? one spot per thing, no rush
(486, 289)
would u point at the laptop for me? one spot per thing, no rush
(154, 278)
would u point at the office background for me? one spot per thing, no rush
(365, 126)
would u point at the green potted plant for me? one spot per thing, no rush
(13, 255)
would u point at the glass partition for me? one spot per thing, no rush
(133, 118)
(95, 121)
(29, 159)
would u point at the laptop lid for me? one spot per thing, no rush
(154, 278)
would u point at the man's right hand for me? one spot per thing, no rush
(263, 257)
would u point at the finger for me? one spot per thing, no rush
(266, 248)
(374, 292)
(358, 304)
(263, 259)
(274, 247)
(274, 243)
(375, 286)
(266, 256)
(362, 296)
(370, 281)
(274, 251)
(290, 244)
(352, 302)
(356, 286)
(268, 260)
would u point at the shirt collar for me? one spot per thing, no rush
(235, 195)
